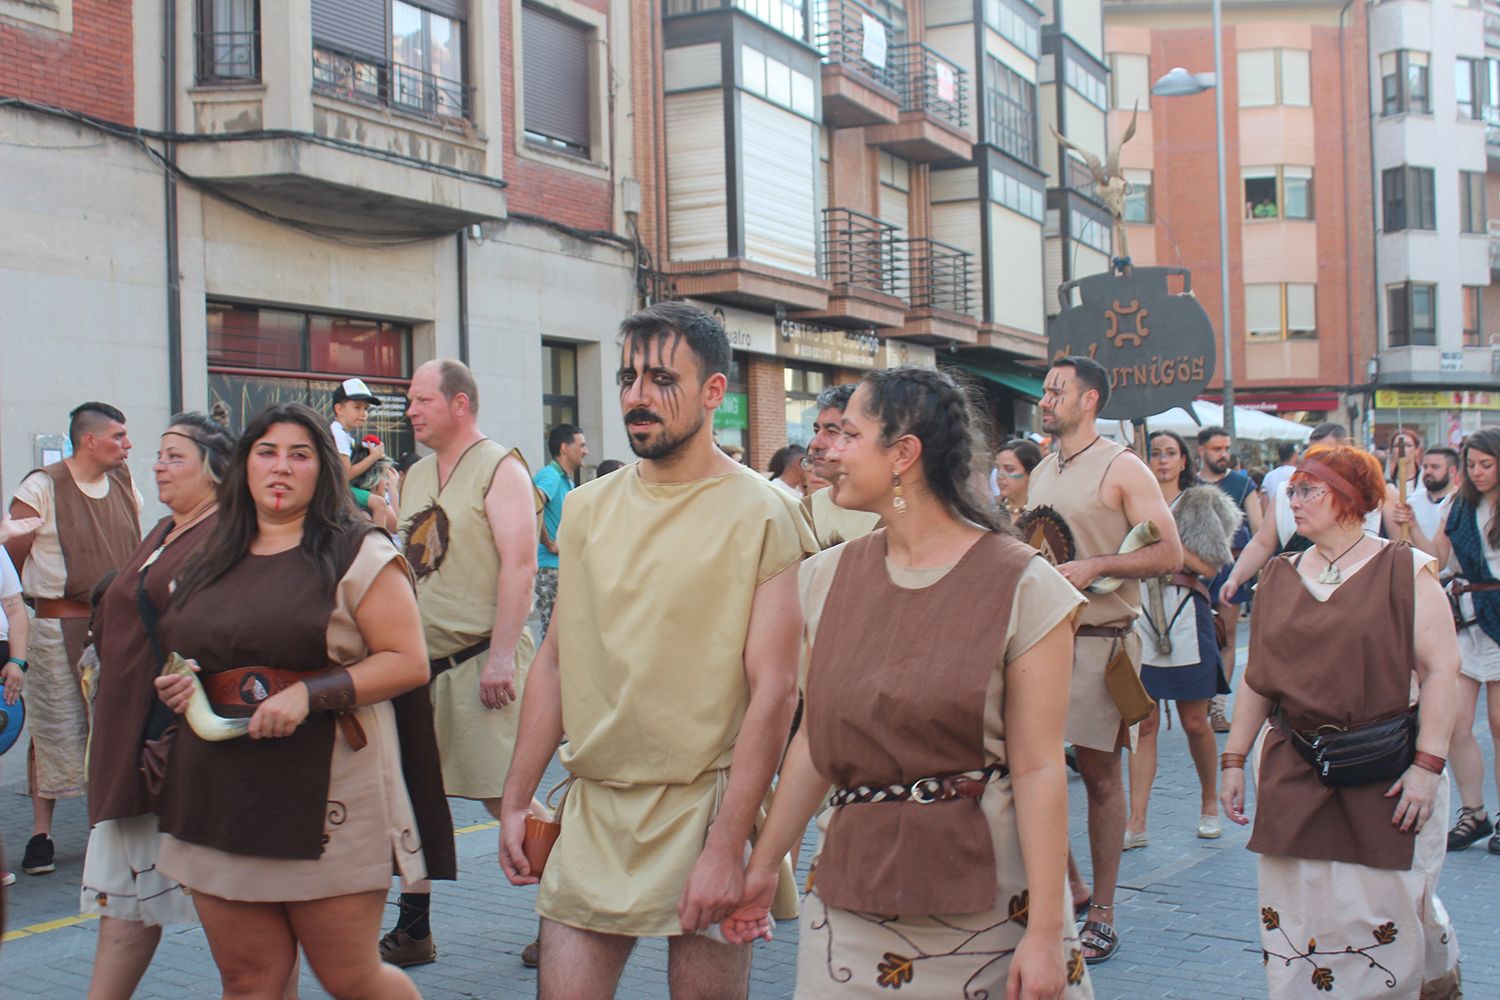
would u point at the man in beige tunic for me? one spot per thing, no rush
(90, 515)
(831, 523)
(468, 516)
(671, 666)
(1101, 489)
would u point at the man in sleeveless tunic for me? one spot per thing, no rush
(671, 666)
(831, 523)
(1101, 489)
(468, 516)
(91, 523)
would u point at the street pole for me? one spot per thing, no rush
(1228, 343)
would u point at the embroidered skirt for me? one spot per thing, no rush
(842, 954)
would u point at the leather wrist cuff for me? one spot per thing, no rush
(330, 690)
(1429, 762)
(1228, 760)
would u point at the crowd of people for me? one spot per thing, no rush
(896, 633)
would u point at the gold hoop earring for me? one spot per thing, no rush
(898, 502)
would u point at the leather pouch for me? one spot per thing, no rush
(1378, 751)
(1125, 687)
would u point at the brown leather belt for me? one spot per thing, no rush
(1103, 631)
(1464, 587)
(1189, 582)
(59, 607)
(938, 788)
(237, 693)
(462, 656)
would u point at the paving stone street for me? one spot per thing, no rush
(1187, 914)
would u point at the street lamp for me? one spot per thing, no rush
(1178, 82)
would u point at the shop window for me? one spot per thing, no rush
(1472, 310)
(257, 357)
(1411, 314)
(802, 386)
(559, 388)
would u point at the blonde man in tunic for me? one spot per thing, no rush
(671, 666)
(90, 515)
(1101, 489)
(468, 515)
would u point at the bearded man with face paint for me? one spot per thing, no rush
(671, 666)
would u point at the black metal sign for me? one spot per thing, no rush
(1157, 345)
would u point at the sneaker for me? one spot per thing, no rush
(1208, 828)
(7, 878)
(1216, 717)
(38, 857)
(401, 949)
(1473, 826)
(531, 955)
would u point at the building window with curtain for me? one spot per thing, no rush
(559, 389)
(1270, 77)
(1473, 329)
(1279, 311)
(1129, 81)
(260, 356)
(1411, 314)
(228, 41)
(555, 77)
(1010, 111)
(1138, 204)
(1404, 86)
(1407, 199)
(407, 56)
(427, 61)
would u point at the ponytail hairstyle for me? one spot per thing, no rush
(212, 436)
(929, 405)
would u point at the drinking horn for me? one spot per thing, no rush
(208, 724)
(1143, 534)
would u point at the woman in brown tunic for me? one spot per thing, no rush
(1348, 875)
(936, 693)
(121, 883)
(301, 616)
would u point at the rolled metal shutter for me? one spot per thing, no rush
(353, 27)
(556, 76)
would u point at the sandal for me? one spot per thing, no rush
(1102, 938)
(1473, 826)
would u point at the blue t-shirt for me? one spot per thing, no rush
(554, 484)
(1240, 488)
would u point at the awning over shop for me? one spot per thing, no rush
(1014, 378)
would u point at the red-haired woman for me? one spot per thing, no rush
(1348, 871)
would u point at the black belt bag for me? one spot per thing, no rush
(1359, 755)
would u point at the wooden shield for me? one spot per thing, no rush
(1045, 530)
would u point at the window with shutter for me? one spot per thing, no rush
(1257, 78)
(1263, 311)
(352, 27)
(1302, 311)
(555, 60)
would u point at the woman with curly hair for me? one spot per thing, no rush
(936, 695)
(1348, 773)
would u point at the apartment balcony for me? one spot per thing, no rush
(934, 122)
(862, 263)
(934, 280)
(1492, 26)
(356, 147)
(859, 80)
(1494, 225)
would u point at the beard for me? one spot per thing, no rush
(1435, 485)
(1217, 468)
(665, 443)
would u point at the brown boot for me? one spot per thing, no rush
(400, 948)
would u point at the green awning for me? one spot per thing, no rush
(1017, 381)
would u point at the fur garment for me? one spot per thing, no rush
(1206, 521)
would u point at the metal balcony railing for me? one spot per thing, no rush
(402, 87)
(852, 35)
(931, 83)
(859, 250)
(227, 55)
(935, 275)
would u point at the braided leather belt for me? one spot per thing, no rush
(924, 791)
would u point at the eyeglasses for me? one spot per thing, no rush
(1305, 494)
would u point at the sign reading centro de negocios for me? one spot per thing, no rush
(1157, 345)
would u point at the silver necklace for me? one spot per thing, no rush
(1331, 574)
